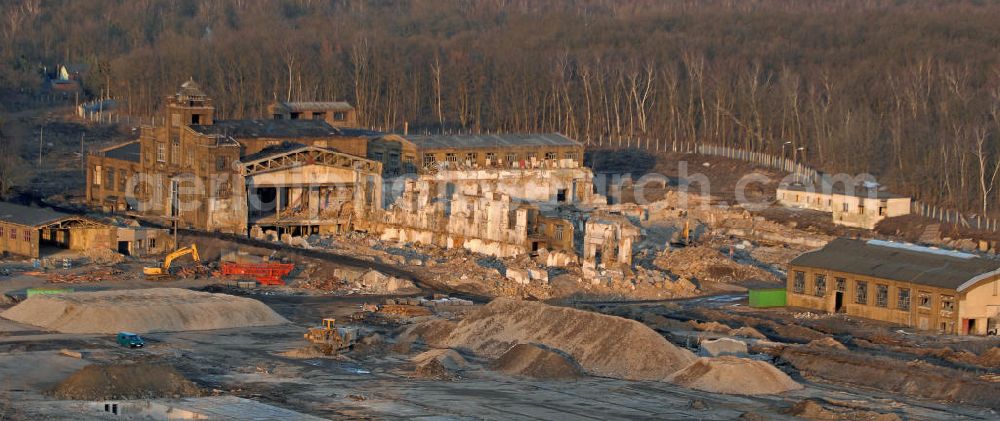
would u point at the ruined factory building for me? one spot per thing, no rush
(33, 232)
(921, 287)
(499, 150)
(858, 207)
(298, 175)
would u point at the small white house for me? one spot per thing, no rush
(858, 207)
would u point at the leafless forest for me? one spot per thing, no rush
(906, 90)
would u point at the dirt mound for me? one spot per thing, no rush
(704, 263)
(140, 311)
(734, 376)
(533, 360)
(603, 345)
(125, 381)
(442, 364)
(827, 342)
(914, 378)
(747, 332)
(812, 410)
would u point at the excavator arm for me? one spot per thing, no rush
(165, 269)
(192, 250)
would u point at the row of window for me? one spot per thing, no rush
(845, 207)
(26, 234)
(862, 293)
(510, 157)
(106, 177)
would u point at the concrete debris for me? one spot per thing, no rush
(103, 256)
(708, 264)
(723, 346)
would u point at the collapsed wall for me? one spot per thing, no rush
(490, 211)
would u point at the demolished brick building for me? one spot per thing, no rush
(304, 171)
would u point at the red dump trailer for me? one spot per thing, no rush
(264, 273)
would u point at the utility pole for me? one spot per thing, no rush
(41, 133)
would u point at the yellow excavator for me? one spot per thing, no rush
(159, 272)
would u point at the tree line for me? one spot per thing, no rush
(906, 90)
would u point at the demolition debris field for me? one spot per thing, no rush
(511, 360)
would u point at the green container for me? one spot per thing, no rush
(48, 291)
(767, 297)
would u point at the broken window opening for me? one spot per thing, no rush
(800, 282)
(861, 292)
(903, 300)
(820, 285)
(947, 303)
(924, 300)
(881, 295)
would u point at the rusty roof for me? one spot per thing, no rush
(315, 106)
(126, 152)
(901, 262)
(252, 129)
(30, 216)
(471, 141)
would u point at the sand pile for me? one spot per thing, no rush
(128, 381)
(602, 345)
(140, 311)
(441, 364)
(734, 376)
(704, 263)
(533, 360)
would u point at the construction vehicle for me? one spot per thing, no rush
(164, 271)
(330, 338)
(263, 273)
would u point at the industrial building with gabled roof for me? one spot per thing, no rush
(25, 231)
(922, 287)
(496, 150)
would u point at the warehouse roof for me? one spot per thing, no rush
(30, 216)
(250, 129)
(901, 262)
(841, 189)
(315, 106)
(470, 141)
(126, 152)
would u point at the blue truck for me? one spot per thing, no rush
(130, 340)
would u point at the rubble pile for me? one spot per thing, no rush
(125, 381)
(103, 256)
(99, 275)
(701, 263)
(439, 364)
(350, 281)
